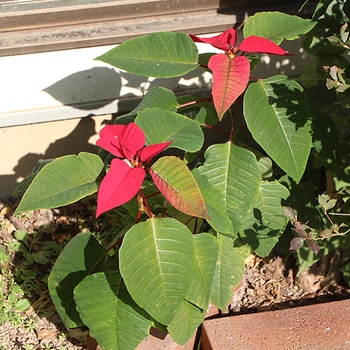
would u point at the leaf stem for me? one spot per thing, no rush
(218, 130)
(191, 103)
(143, 205)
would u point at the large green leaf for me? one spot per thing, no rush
(277, 115)
(229, 270)
(82, 256)
(156, 97)
(186, 321)
(234, 173)
(176, 182)
(265, 221)
(111, 315)
(24, 184)
(63, 181)
(160, 55)
(277, 26)
(161, 126)
(218, 218)
(156, 262)
(202, 276)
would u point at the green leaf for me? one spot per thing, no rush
(82, 256)
(316, 41)
(266, 167)
(156, 97)
(156, 261)
(277, 26)
(277, 115)
(22, 187)
(205, 247)
(229, 270)
(198, 109)
(176, 182)
(158, 204)
(303, 200)
(162, 126)
(218, 218)
(160, 55)
(63, 181)
(111, 315)
(307, 257)
(22, 305)
(234, 173)
(185, 323)
(265, 221)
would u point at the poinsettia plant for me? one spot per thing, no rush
(199, 206)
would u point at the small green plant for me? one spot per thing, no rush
(12, 300)
(191, 215)
(24, 277)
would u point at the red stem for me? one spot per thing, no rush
(216, 129)
(255, 78)
(146, 209)
(196, 101)
(152, 194)
(232, 132)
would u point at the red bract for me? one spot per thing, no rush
(126, 174)
(224, 41)
(231, 70)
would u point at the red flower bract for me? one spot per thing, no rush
(224, 41)
(125, 175)
(123, 141)
(119, 185)
(255, 44)
(231, 71)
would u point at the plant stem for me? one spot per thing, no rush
(191, 103)
(143, 205)
(218, 130)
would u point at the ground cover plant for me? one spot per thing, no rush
(194, 208)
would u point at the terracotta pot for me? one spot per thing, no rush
(313, 327)
(159, 340)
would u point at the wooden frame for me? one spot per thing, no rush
(39, 28)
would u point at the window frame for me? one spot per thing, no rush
(112, 22)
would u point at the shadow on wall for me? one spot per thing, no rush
(95, 88)
(76, 141)
(88, 89)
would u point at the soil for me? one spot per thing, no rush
(267, 284)
(271, 284)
